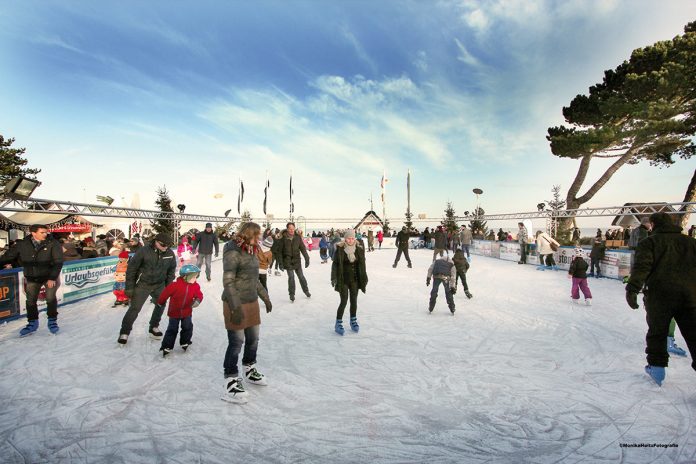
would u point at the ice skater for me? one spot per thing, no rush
(546, 246)
(596, 255)
(324, 249)
(150, 270)
(578, 274)
(183, 294)
(461, 264)
(265, 257)
(241, 292)
(206, 242)
(402, 247)
(42, 259)
(348, 275)
(665, 267)
(442, 271)
(292, 246)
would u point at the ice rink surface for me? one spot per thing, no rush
(517, 375)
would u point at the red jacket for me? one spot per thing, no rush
(180, 295)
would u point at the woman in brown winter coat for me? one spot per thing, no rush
(240, 296)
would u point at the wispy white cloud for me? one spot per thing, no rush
(359, 49)
(464, 56)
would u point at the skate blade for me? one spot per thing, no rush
(262, 383)
(233, 400)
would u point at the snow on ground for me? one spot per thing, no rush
(517, 375)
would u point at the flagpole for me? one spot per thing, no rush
(384, 195)
(408, 193)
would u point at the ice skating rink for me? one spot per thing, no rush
(518, 375)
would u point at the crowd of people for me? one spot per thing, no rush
(664, 271)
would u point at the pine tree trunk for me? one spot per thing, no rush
(689, 197)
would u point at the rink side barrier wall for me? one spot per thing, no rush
(79, 280)
(616, 264)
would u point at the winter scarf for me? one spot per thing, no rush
(247, 248)
(350, 251)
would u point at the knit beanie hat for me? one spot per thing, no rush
(164, 239)
(579, 252)
(208, 224)
(268, 242)
(350, 233)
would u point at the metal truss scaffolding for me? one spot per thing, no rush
(83, 209)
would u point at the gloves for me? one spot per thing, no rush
(453, 290)
(196, 302)
(237, 316)
(306, 264)
(269, 305)
(632, 299)
(129, 292)
(427, 282)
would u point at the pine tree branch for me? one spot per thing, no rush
(625, 158)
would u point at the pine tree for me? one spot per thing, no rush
(562, 228)
(643, 110)
(12, 162)
(164, 204)
(477, 224)
(449, 222)
(409, 223)
(246, 217)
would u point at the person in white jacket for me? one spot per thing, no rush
(545, 248)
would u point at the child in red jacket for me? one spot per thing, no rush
(183, 294)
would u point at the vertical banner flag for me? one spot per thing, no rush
(240, 198)
(265, 194)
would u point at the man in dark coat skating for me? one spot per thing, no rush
(402, 246)
(665, 269)
(292, 248)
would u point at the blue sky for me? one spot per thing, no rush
(113, 98)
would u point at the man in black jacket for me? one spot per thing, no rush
(42, 260)
(440, 242)
(205, 242)
(149, 271)
(292, 247)
(402, 246)
(665, 269)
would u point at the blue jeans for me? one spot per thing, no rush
(465, 249)
(173, 328)
(248, 337)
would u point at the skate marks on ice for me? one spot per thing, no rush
(515, 376)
